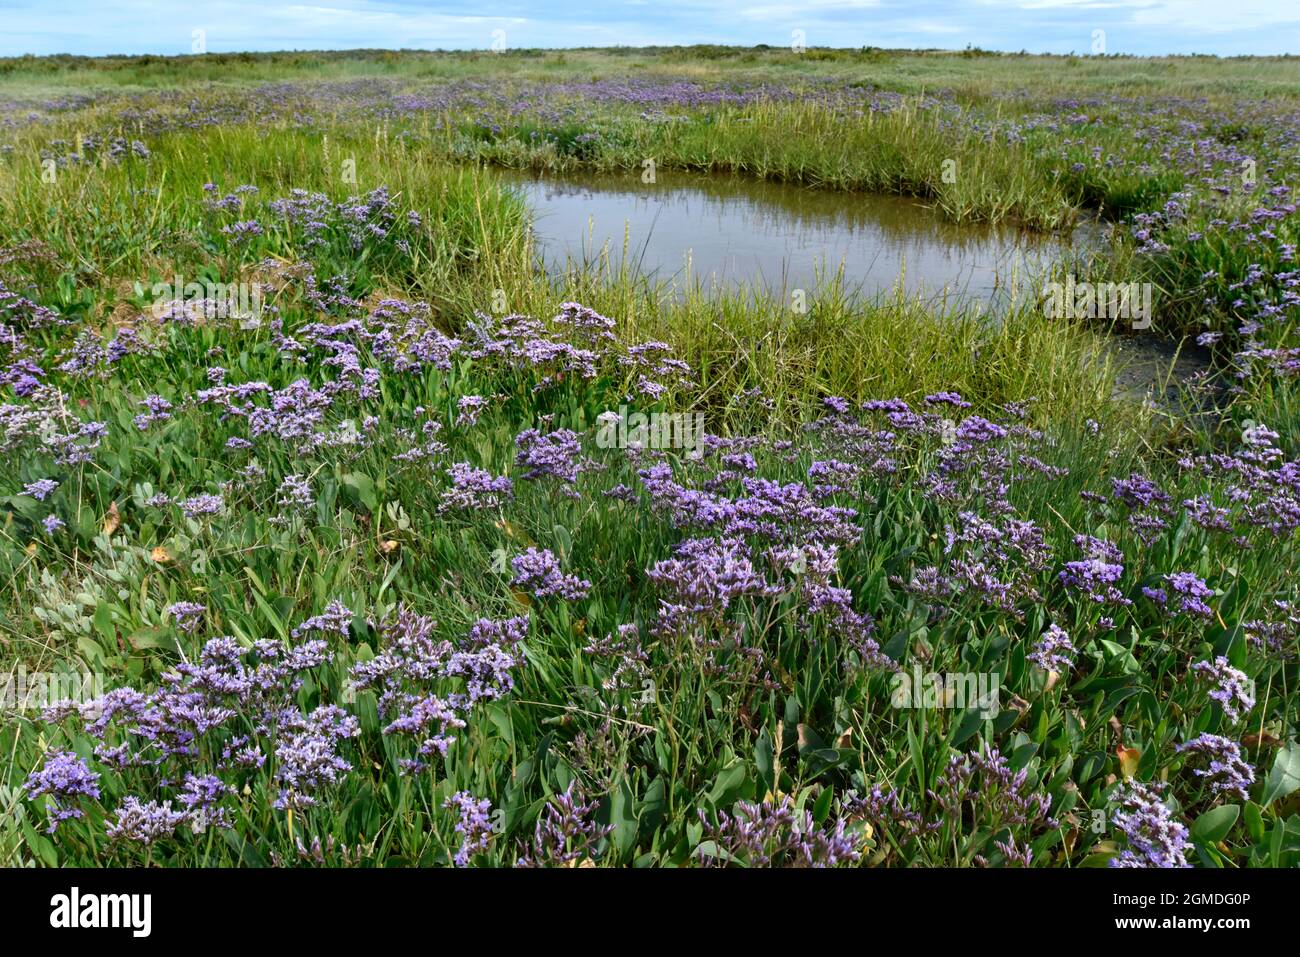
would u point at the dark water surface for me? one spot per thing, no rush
(726, 232)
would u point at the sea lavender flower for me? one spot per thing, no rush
(243, 231)
(40, 489)
(701, 581)
(1148, 505)
(473, 488)
(1015, 855)
(1155, 837)
(295, 493)
(474, 827)
(1276, 636)
(623, 647)
(836, 404)
(998, 796)
(947, 398)
(506, 632)
(1099, 573)
(159, 410)
(187, 615)
(198, 505)
(65, 777)
(145, 822)
(553, 454)
(777, 834)
(335, 619)
(52, 524)
(308, 757)
(1191, 591)
(566, 834)
(1053, 651)
(1233, 690)
(409, 676)
(1226, 772)
(470, 406)
(537, 571)
(882, 808)
(201, 797)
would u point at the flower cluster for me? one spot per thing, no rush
(1155, 838)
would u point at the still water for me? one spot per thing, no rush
(721, 232)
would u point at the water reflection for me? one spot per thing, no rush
(726, 231)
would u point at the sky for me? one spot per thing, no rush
(1142, 27)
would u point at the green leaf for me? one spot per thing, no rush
(764, 761)
(1214, 825)
(822, 808)
(1285, 775)
(727, 785)
(150, 637)
(1254, 819)
(966, 725)
(103, 622)
(363, 487)
(42, 846)
(563, 542)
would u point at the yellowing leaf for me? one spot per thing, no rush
(160, 554)
(1128, 760)
(112, 520)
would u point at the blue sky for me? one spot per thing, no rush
(1224, 27)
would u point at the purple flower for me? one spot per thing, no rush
(201, 796)
(52, 524)
(308, 757)
(949, 398)
(409, 675)
(40, 489)
(997, 795)
(474, 826)
(159, 411)
(145, 822)
(1154, 837)
(1054, 651)
(187, 615)
(701, 581)
(776, 834)
(64, 777)
(470, 406)
(566, 832)
(537, 571)
(335, 619)
(1191, 590)
(473, 488)
(295, 493)
(243, 231)
(1233, 690)
(1226, 773)
(554, 454)
(202, 505)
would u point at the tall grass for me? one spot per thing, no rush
(151, 224)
